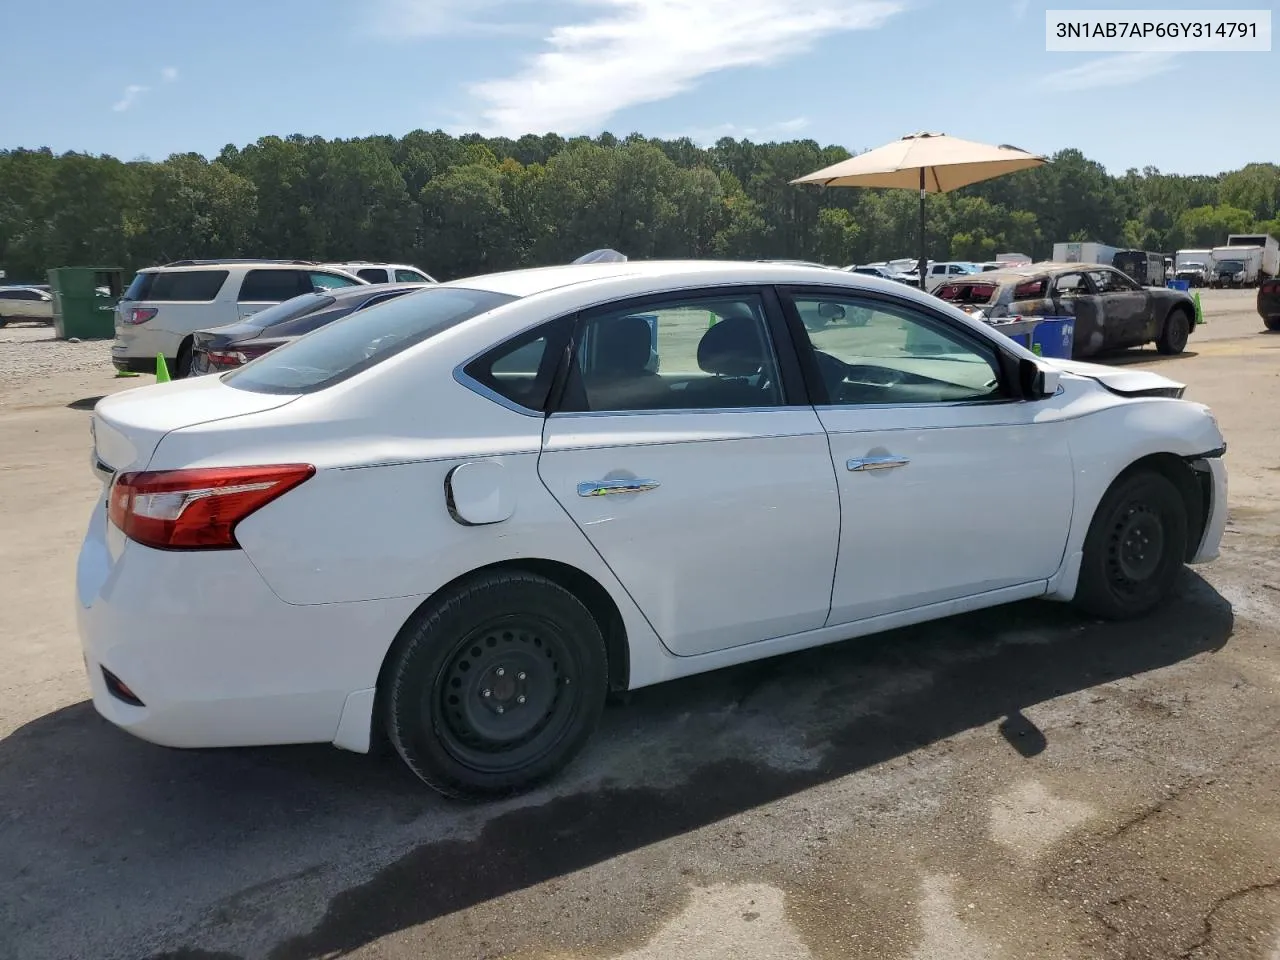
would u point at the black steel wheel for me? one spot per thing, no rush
(1135, 547)
(1177, 328)
(496, 686)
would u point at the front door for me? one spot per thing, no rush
(948, 487)
(1125, 307)
(701, 477)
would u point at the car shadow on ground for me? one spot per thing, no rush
(1123, 358)
(84, 403)
(675, 758)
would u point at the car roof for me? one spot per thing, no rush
(1049, 268)
(525, 283)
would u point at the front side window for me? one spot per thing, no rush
(362, 339)
(1071, 285)
(877, 352)
(695, 353)
(1111, 281)
(411, 276)
(330, 281)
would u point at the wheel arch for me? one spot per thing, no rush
(1191, 485)
(581, 584)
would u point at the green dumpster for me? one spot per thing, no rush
(84, 301)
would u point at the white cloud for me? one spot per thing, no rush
(639, 51)
(130, 96)
(1117, 70)
(168, 74)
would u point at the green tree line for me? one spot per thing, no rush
(462, 205)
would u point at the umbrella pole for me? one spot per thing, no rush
(924, 247)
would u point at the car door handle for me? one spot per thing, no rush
(859, 464)
(605, 488)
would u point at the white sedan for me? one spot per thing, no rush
(462, 517)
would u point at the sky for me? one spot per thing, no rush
(145, 78)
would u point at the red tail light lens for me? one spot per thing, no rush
(140, 315)
(237, 357)
(197, 509)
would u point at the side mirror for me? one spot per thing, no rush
(1037, 382)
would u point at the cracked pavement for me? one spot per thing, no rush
(1010, 784)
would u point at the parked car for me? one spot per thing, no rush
(220, 349)
(940, 273)
(464, 516)
(1196, 273)
(164, 306)
(383, 272)
(1269, 303)
(874, 270)
(25, 303)
(1111, 311)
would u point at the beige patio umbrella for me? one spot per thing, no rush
(929, 162)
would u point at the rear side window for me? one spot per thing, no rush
(362, 340)
(273, 286)
(373, 274)
(521, 370)
(289, 310)
(198, 286)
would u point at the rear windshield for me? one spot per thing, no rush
(967, 292)
(189, 285)
(289, 310)
(361, 340)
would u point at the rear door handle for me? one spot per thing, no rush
(860, 464)
(605, 488)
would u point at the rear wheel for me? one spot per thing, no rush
(1134, 549)
(1272, 323)
(1177, 328)
(496, 686)
(182, 368)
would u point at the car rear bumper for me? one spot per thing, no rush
(138, 344)
(214, 657)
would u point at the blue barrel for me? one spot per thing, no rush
(1054, 337)
(1182, 285)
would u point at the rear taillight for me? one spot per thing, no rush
(235, 358)
(197, 509)
(140, 315)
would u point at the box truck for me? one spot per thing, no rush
(1236, 266)
(1270, 247)
(1084, 253)
(1146, 268)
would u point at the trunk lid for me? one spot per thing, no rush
(127, 427)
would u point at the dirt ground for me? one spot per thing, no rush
(1010, 784)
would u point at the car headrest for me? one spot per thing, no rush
(732, 348)
(623, 345)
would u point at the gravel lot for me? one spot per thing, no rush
(1010, 784)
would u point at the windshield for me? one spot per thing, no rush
(1234, 266)
(289, 310)
(361, 340)
(1192, 265)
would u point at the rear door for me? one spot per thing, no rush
(701, 475)
(270, 285)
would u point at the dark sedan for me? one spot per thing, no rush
(1110, 310)
(224, 348)
(1269, 303)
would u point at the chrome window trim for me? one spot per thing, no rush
(465, 379)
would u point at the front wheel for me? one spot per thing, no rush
(496, 686)
(1177, 328)
(1134, 549)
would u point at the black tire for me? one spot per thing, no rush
(1177, 328)
(496, 686)
(182, 366)
(1272, 323)
(1135, 547)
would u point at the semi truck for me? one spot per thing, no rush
(1269, 262)
(1084, 253)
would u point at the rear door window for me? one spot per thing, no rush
(363, 340)
(192, 286)
(411, 276)
(329, 281)
(273, 286)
